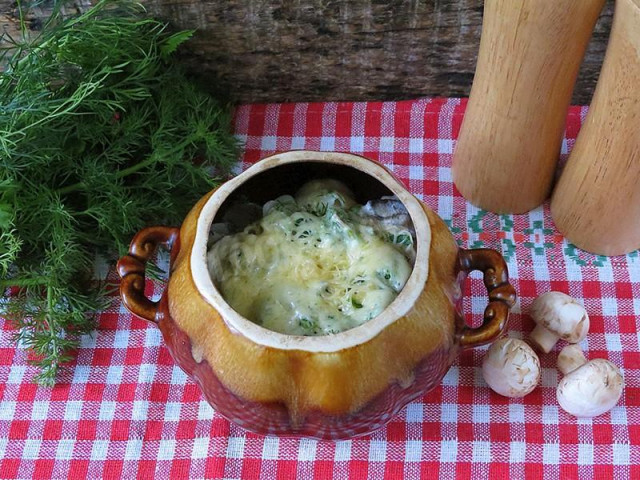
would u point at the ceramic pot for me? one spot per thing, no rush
(334, 386)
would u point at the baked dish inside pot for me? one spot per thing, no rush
(313, 263)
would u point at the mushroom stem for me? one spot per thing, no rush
(543, 339)
(570, 358)
(557, 315)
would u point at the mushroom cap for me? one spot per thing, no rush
(591, 390)
(511, 367)
(562, 315)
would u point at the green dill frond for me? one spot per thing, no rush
(101, 134)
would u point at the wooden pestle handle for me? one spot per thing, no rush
(596, 203)
(509, 142)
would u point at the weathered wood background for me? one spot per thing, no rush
(276, 51)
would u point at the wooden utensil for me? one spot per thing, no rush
(596, 203)
(530, 53)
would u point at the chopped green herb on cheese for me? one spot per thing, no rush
(316, 264)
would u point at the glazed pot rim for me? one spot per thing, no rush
(349, 338)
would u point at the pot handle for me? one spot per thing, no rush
(131, 269)
(502, 295)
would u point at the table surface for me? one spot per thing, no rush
(124, 409)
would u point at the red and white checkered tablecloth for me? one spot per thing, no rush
(126, 411)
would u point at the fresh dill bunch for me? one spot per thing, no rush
(101, 134)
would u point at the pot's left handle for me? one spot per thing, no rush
(502, 295)
(131, 268)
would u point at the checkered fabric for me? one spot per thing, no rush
(126, 411)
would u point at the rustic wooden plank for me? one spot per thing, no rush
(316, 50)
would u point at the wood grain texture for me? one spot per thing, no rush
(510, 139)
(320, 50)
(596, 203)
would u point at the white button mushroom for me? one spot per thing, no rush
(557, 316)
(591, 388)
(511, 367)
(570, 358)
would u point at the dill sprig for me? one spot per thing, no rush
(101, 134)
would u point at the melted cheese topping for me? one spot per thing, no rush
(313, 265)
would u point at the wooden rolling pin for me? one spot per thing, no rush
(596, 203)
(509, 142)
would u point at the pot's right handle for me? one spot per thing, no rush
(502, 295)
(131, 268)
